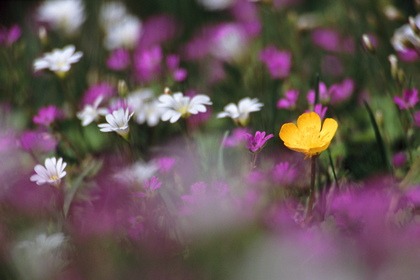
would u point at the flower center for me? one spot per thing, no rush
(54, 177)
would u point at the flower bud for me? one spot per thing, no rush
(122, 88)
(368, 43)
(394, 65)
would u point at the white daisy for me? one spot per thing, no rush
(123, 34)
(178, 105)
(58, 60)
(240, 113)
(117, 122)
(51, 173)
(66, 16)
(111, 13)
(92, 112)
(213, 5)
(150, 113)
(137, 173)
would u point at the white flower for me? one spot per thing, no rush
(405, 37)
(137, 173)
(178, 105)
(111, 13)
(145, 107)
(51, 173)
(150, 112)
(92, 112)
(66, 16)
(241, 112)
(213, 5)
(58, 60)
(124, 33)
(117, 122)
(229, 42)
(39, 257)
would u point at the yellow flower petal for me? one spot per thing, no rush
(289, 132)
(309, 120)
(328, 129)
(307, 137)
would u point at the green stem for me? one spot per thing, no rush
(254, 160)
(312, 187)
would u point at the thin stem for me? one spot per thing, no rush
(312, 187)
(254, 160)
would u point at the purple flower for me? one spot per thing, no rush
(399, 159)
(341, 91)
(278, 62)
(320, 110)
(257, 142)
(408, 55)
(118, 60)
(93, 92)
(324, 95)
(289, 102)
(8, 37)
(165, 164)
(416, 117)
(328, 39)
(147, 63)
(408, 100)
(149, 186)
(237, 137)
(283, 173)
(34, 140)
(180, 74)
(157, 30)
(47, 115)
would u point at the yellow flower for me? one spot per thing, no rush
(308, 137)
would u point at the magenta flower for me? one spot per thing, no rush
(165, 164)
(324, 95)
(47, 115)
(9, 36)
(331, 40)
(341, 91)
(147, 63)
(257, 142)
(278, 62)
(408, 100)
(38, 141)
(416, 117)
(150, 187)
(289, 102)
(237, 137)
(284, 173)
(118, 60)
(93, 92)
(399, 159)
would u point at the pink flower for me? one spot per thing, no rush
(47, 115)
(416, 117)
(93, 92)
(165, 164)
(278, 62)
(408, 55)
(399, 159)
(38, 141)
(408, 100)
(284, 173)
(320, 110)
(341, 91)
(149, 186)
(147, 63)
(118, 60)
(324, 95)
(331, 40)
(8, 37)
(257, 142)
(237, 137)
(289, 102)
